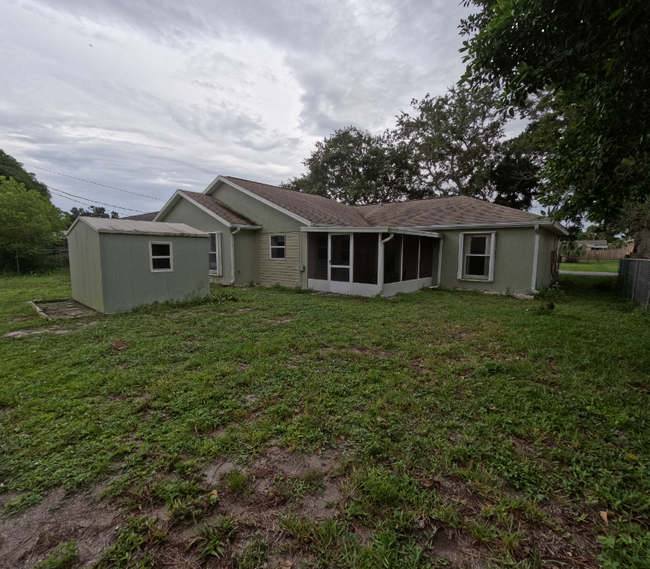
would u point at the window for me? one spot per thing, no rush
(476, 256)
(278, 247)
(161, 257)
(215, 254)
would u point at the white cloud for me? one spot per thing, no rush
(154, 96)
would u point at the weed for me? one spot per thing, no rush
(254, 554)
(213, 538)
(236, 481)
(132, 544)
(64, 556)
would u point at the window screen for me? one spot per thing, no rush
(366, 246)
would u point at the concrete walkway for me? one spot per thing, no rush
(588, 273)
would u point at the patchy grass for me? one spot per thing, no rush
(607, 266)
(438, 428)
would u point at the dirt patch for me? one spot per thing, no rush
(242, 310)
(457, 549)
(244, 367)
(418, 365)
(279, 460)
(24, 333)
(21, 318)
(216, 470)
(29, 538)
(120, 345)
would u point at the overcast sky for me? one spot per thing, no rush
(154, 95)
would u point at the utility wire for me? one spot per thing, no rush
(96, 183)
(71, 196)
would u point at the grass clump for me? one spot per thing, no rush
(64, 556)
(134, 545)
(214, 537)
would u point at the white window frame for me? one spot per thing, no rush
(217, 252)
(462, 255)
(283, 247)
(170, 257)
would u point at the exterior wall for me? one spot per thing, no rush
(391, 289)
(246, 255)
(547, 242)
(127, 279)
(85, 266)
(513, 261)
(285, 272)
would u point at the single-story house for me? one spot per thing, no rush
(117, 264)
(593, 244)
(271, 235)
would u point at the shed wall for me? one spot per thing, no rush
(85, 266)
(513, 262)
(127, 279)
(546, 247)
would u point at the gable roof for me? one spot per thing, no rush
(212, 206)
(131, 227)
(445, 211)
(311, 208)
(142, 216)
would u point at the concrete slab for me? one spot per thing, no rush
(61, 308)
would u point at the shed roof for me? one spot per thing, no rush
(131, 227)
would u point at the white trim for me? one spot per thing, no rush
(533, 286)
(170, 257)
(550, 225)
(217, 243)
(271, 247)
(378, 229)
(258, 198)
(461, 257)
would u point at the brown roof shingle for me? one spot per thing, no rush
(453, 210)
(316, 209)
(219, 208)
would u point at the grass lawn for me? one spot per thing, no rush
(592, 266)
(436, 429)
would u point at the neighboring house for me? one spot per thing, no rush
(142, 216)
(593, 244)
(119, 264)
(270, 235)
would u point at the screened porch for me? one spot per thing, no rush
(384, 261)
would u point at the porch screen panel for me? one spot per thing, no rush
(410, 252)
(366, 247)
(426, 257)
(392, 259)
(317, 251)
(340, 274)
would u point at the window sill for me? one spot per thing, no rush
(476, 280)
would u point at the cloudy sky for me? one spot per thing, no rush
(153, 95)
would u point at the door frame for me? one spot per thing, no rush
(339, 287)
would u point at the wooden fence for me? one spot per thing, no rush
(604, 254)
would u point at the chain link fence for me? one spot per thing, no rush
(634, 280)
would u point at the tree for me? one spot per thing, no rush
(356, 167)
(592, 59)
(11, 168)
(454, 140)
(29, 225)
(94, 211)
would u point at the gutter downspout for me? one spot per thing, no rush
(535, 260)
(232, 255)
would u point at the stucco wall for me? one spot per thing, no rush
(285, 272)
(85, 266)
(127, 278)
(546, 246)
(513, 261)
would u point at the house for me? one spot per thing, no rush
(271, 235)
(593, 244)
(117, 264)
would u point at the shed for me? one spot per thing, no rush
(118, 264)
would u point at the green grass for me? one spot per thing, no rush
(610, 266)
(535, 411)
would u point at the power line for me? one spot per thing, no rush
(96, 183)
(69, 196)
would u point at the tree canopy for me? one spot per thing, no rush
(11, 168)
(93, 211)
(591, 59)
(29, 224)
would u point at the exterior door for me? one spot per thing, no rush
(340, 275)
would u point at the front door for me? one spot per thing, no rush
(339, 263)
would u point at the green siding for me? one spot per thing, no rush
(546, 246)
(513, 268)
(127, 279)
(85, 266)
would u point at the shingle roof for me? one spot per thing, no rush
(316, 209)
(219, 208)
(142, 216)
(453, 210)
